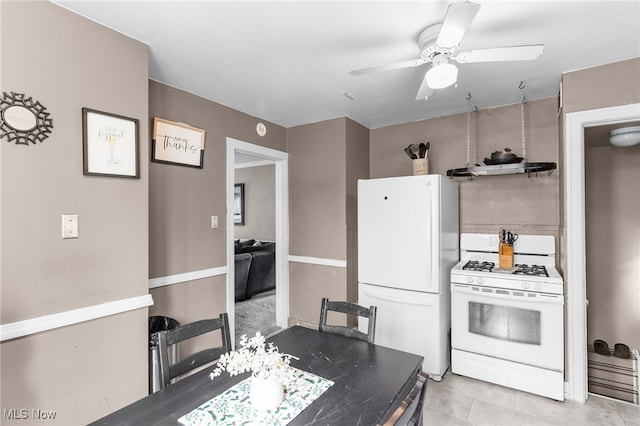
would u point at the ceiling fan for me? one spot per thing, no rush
(439, 44)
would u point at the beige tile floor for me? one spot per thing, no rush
(458, 400)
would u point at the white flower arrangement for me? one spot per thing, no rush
(264, 361)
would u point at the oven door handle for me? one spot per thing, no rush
(523, 296)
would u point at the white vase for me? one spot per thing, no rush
(266, 394)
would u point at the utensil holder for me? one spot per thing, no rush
(505, 255)
(420, 167)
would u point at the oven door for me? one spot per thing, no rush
(518, 326)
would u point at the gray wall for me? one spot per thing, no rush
(86, 370)
(325, 161)
(317, 216)
(357, 151)
(517, 202)
(611, 174)
(612, 215)
(183, 199)
(260, 205)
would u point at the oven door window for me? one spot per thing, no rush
(505, 323)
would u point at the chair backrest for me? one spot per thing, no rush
(166, 338)
(410, 411)
(349, 309)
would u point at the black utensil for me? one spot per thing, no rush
(414, 149)
(423, 150)
(409, 153)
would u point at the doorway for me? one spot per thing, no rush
(574, 193)
(612, 226)
(243, 151)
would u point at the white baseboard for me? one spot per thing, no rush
(17, 329)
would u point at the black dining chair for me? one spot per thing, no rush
(166, 338)
(410, 411)
(348, 308)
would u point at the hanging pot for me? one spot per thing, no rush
(502, 157)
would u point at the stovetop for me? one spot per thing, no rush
(534, 264)
(518, 269)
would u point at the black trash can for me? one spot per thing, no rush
(159, 323)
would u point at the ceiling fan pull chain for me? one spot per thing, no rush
(524, 141)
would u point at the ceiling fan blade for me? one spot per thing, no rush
(456, 22)
(424, 92)
(499, 54)
(395, 66)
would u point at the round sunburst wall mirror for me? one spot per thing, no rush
(22, 120)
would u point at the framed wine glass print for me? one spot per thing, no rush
(110, 144)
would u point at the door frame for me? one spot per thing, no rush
(281, 161)
(576, 387)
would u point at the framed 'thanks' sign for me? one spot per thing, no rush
(177, 143)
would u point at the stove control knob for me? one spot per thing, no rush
(469, 280)
(480, 281)
(537, 286)
(526, 285)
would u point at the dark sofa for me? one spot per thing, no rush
(255, 268)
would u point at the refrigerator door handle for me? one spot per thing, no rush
(397, 296)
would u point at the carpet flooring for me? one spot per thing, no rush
(256, 314)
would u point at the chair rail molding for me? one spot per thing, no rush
(23, 328)
(187, 276)
(318, 261)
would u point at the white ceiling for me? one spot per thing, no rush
(287, 62)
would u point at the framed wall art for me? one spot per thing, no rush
(23, 120)
(177, 143)
(238, 204)
(110, 144)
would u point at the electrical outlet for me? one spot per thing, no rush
(70, 226)
(214, 222)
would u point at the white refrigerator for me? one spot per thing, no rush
(408, 241)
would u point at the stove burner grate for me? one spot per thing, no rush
(476, 265)
(537, 270)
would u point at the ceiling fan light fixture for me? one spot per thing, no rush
(442, 74)
(626, 136)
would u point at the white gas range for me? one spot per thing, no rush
(507, 325)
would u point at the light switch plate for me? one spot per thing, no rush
(70, 226)
(214, 222)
